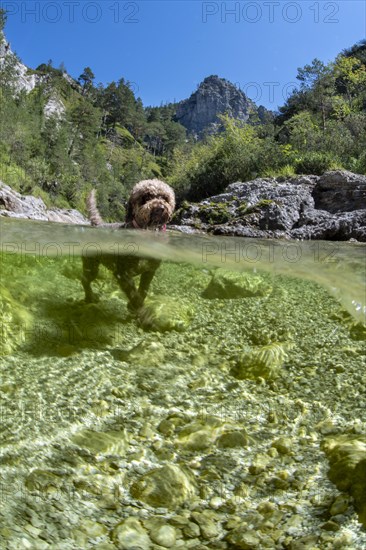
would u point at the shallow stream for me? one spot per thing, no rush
(200, 422)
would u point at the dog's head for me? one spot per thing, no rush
(151, 204)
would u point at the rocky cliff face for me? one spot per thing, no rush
(26, 80)
(214, 96)
(23, 80)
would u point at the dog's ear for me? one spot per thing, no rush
(129, 212)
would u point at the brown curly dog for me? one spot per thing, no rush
(150, 206)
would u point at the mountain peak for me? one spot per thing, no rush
(214, 96)
(214, 79)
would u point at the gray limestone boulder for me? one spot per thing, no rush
(328, 207)
(340, 191)
(15, 205)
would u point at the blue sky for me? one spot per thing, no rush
(166, 48)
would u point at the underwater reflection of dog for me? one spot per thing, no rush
(150, 206)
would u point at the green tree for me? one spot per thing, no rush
(119, 102)
(85, 120)
(304, 132)
(86, 80)
(311, 74)
(350, 73)
(357, 50)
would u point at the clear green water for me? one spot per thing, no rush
(88, 394)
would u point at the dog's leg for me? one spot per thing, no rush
(127, 284)
(124, 270)
(146, 278)
(90, 272)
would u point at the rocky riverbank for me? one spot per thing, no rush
(15, 205)
(327, 207)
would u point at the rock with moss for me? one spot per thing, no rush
(164, 314)
(358, 331)
(226, 284)
(200, 434)
(261, 362)
(244, 538)
(214, 213)
(129, 534)
(111, 443)
(233, 439)
(168, 487)
(92, 528)
(284, 445)
(43, 481)
(162, 534)
(208, 522)
(144, 353)
(347, 458)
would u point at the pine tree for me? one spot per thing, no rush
(86, 80)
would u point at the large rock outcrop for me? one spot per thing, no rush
(214, 96)
(329, 207)
(15, 205)
(347, 458)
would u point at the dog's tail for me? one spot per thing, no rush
(93, 212)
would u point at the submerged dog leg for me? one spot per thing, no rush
(127, 284)
(124, 270)
(147, 277)
(90, 272)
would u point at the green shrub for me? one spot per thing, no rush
(359, 165)
(315, 163)
(286, 171)
(14, 176)
(214, 213)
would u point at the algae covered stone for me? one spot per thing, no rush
(164, 535)
(43, 481)
(261, 362)
(340, 505)
(200, 434)
(168, 487)
(106, 443)
(243, 538)
(226, 284)
(130, 534)
(347, 458)
(144, 353)
(92, 528)
(284, 445)
(208, 523)
(232, 439)
(164, 314)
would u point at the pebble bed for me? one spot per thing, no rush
(206, 431)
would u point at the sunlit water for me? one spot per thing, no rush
(93, 399)
(340, 267)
